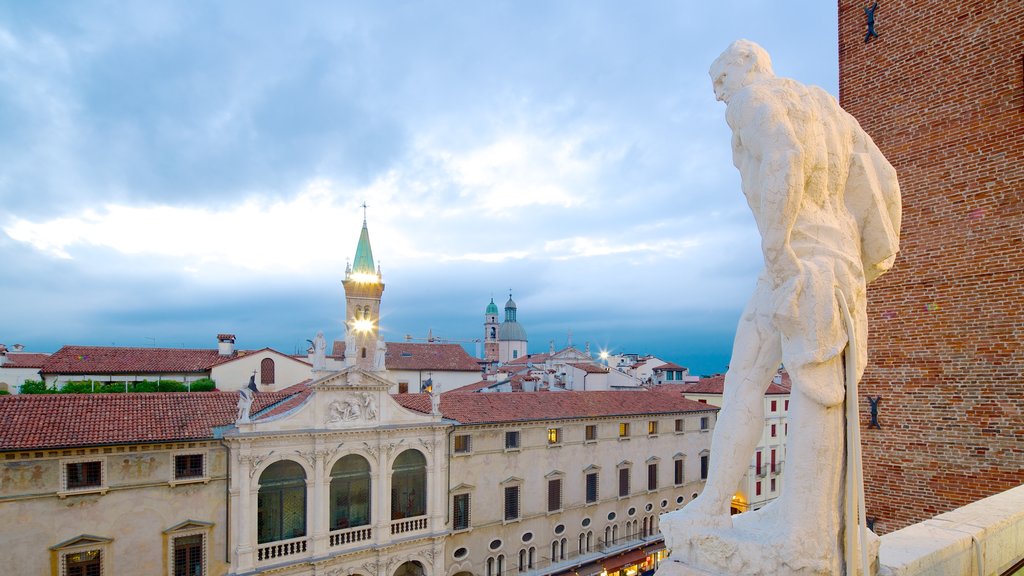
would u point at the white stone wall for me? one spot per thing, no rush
(234, 375)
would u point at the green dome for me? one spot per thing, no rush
(492, 308)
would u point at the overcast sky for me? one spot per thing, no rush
(169, 171)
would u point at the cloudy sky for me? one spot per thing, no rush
(173, 170)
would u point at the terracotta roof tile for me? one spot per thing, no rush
(30, 421)
(715, 384)
(487, 407)
(124, 360)
(422, 356)
(25, 360)
(590, 367)
(669, 366)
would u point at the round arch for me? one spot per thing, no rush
(281, 504)
(351, 496)
(409, 485)
(410, 568)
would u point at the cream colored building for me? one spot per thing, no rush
(762, 482)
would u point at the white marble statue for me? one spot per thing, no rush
(826, 203)
(350, 347)
(319, 352)
(435, 402)
(245, 397)
(379, 355)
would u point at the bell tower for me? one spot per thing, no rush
(491, 332)
(363, 288)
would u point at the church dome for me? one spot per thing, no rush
(511, 331)
(492, 308)
(511, 303)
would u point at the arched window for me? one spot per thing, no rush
(282, 502)
(590, 539)
(490, 567)
(531, 557)
(409, 485)
(364, 352)
(266, 371)
(493, 333)
(522, 560)
(350, 492)
(561, 551)
(554, 551)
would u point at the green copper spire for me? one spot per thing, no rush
(492, 308)
(363, 263)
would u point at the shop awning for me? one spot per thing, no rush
(656, 547)
(625, 559)
(592, 569)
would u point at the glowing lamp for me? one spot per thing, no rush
(362, 325)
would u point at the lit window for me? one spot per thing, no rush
(652, 427)
(88, 563)
(554, 436)
(624, 430)
(462, 443)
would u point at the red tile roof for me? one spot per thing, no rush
(124, 360)
(669, 366)
(590, 367)
(422, 356)
(25, 360)
(715, 384)
(530, 359)
(45, 421)
(487, 407)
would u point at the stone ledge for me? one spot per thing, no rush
(989, 532)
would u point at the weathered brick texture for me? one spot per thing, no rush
(941, 90)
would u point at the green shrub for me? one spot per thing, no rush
(170, 386)
(142, 386)
(111, 387)
(4, 392)
(203, 385)
(34, 387)
(77, 387)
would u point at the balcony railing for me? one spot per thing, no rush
(410, 525)
(281, 549)
(350, 535)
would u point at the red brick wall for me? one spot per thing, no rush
(941, 90)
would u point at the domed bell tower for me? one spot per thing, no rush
(491, 332)
(363, 288)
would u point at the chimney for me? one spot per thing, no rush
(18, 348)
(3, 354)
(226, 344)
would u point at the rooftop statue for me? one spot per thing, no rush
(827, 206)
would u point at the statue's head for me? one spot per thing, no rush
(742, 63)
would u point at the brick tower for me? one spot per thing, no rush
(941, 91)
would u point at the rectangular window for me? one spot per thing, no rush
(703, 467)
(773, 430)
(623, 481)
(652, 476)
(554, 436)
(624, 430)
(188, 556)
(679, 424)
(678, 472)
(773, 484)
(775, 405)
(591, 487)
(511, 502)
(462, 443)
(89, 563)
(785, 429)
(403, 387)
(652, 427)
(786, 405)
(705, 423)
(511, 439)
(757, 457)
(757, 488)
(460, 512)
(554, 494)
(591, 432)
(188, 466)
(773, 460)
(84, 475)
